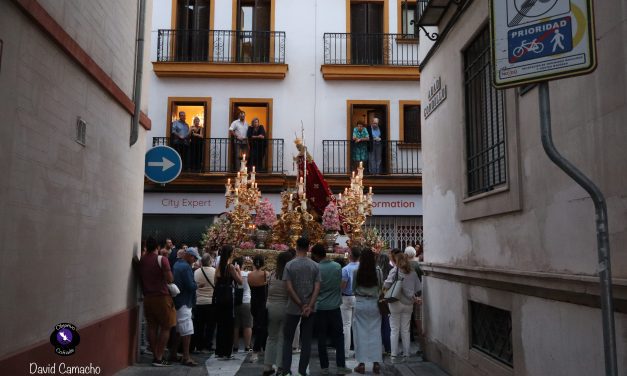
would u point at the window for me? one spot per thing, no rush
(365, 112)
(367, 28)
(253, 25)
(485, 120)
(408, 14)
(410, 121)
(192, 29)
(491, 332)
(193, 154)
(260, 151)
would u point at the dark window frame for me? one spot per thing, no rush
(491, 332)
(486, 149)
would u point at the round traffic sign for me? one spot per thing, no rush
(162, 164)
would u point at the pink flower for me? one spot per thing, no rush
(265, 217)
(331, 218)
(279, 247)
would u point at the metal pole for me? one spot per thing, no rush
(603, 242)
(139, 64)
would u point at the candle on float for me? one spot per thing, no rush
(370, 190)
(353, 176)
(340, 198)
(361, 164)
(253, 169)
(303, 205)
(301, 180)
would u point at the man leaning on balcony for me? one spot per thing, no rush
(375, 147)
(180, 139)
(239, 130)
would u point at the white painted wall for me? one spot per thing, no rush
(302, 95)
(553, 232)
(71, 215)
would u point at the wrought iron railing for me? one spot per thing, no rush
(218, 155)
(370, 49)
(221, 46)
(340, 157)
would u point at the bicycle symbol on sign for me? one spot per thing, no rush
(532, 46)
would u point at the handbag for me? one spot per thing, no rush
(172, 288)
(384, 308)
(395, 292)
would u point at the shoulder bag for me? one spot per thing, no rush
(395, 292)
(172, 288)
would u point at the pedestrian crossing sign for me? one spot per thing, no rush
(539, 40)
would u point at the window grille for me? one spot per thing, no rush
(81, 130)
(492, 332)
(398, 232)
(485, 120)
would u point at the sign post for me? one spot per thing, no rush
(541, 40)
(162, 164)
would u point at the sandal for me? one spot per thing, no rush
(189, 363)
(361, 368)
(376, 368)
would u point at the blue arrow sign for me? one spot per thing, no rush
(162, 164)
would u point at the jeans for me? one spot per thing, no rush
(385, 333)
(330, 321)
(347, 308)
(274, 344)
(306, 331)
(374, 158)
(400, 316)
(204, 327)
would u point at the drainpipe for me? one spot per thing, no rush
(139, 63)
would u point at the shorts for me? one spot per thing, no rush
(243, 317)
(159, 311)
(184, 323)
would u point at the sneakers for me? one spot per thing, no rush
(160, 363)
(344, 371)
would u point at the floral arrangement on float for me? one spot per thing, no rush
(218, 234)
(331, 224)
(265, 219)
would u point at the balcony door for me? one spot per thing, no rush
(366, 33)
(253, 31)
(192, 30)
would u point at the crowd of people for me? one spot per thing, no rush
(189, 299)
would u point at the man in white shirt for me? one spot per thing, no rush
(238, 130)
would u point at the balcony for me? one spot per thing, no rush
(217, 155)
(349, 56)
(401, 165)
(221, 53)
(431, 12)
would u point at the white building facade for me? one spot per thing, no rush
(510, 252)
(320, 65)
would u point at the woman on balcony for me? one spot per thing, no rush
(359, 145)
(196, 145)
(256, 135)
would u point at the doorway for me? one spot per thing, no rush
(367, 33)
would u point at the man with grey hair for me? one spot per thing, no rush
(417, 314)
(376, 147)
(180, 138)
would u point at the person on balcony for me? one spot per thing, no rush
(196, 145)
(239, 130)
(376, 147)
(256, 135)
(360, 145)
(180, 136)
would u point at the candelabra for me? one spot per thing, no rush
(244, 195)
(294, 219)
(355, 206)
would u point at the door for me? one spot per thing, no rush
(253, 31)
(367, 33)
(192, 30)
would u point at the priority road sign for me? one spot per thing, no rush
(539, 40)
(162, 164)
